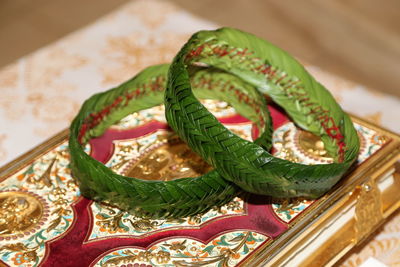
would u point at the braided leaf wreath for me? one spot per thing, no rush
(238, 68)
(176, 198)
(273, 72)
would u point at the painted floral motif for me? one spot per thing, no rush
(288, 209)
(141, 117)
(23, 255)
(373, 142)
(225, 250)
(110, 221)
(79, 70)
(126, 152)
(40, 216)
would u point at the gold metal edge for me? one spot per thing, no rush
(314, 218)
(349, 235)
(292, 239)
(336, 248)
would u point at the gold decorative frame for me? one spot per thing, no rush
(359, 197)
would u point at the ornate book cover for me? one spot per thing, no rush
(44, 220)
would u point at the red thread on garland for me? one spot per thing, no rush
(95, 118)
(265, 69)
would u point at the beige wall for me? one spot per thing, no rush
(356, 39)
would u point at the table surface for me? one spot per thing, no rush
(146, 32)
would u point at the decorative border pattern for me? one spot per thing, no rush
(110, 222)
(50, 178)
(225, 250)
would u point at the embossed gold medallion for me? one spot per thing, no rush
(170, 160)
(20, 213)
(312, 146)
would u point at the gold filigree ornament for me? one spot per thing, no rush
(312, 145)
(167, 159)
(293, 144)
(21, 213)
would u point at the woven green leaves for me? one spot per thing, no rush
(273, 72)
(156, 199)
(212, 62)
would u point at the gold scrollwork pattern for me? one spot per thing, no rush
(368, 211)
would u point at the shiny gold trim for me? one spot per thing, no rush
(334, 249)
(390, 195)
(368, 210)
(318, 214)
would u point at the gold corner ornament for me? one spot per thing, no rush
(368, 211)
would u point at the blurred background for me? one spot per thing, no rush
(356, 39)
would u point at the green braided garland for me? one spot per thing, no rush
(273, 72)
(158, 199)
(225, 64)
